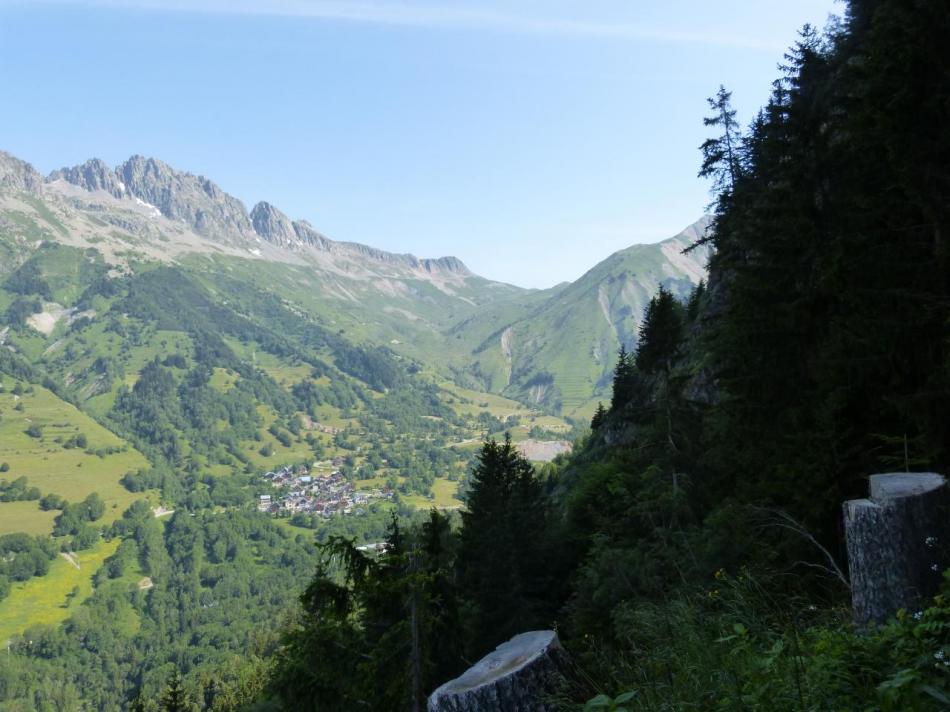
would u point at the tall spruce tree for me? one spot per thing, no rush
(175, 699)
(695, 301)
(624, 384)
(661, 334)
(722, 155)
(377, 632)
(598, 418)
(502, 557)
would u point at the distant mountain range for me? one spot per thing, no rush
(553, 348)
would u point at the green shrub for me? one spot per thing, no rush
(737, 647)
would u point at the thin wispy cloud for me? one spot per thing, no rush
(432, 16)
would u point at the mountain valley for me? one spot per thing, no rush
(473, 331)
(161, 342)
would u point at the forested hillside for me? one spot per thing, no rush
(555, 348)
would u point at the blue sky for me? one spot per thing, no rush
(529, 138)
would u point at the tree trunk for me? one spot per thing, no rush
(897, 542)
(415, 657)
(519, 676)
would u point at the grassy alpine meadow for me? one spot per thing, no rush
(223, 379)
(444, 492)
(444, 496)
(284, 373)
(41, 439)
(49, 599)
(279, 453)
(25, 517)
(472, 402)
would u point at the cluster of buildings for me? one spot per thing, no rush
(301, 490)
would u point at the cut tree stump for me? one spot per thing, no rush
(897, 541)
(519, 676)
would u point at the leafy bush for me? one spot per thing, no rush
(74, 516)
(52, 501)
(77, 441)
(18, 491)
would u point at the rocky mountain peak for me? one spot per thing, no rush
(92, 175)
(308, 235)
(446, 264)
(194, 200)
(19, 175)
(274, 226)
(210, 188)
(203, 207)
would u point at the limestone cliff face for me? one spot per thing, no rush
(443, 265)
(201, 206)
(92, 175)
(194, 200)
(19, 175)
(309, 236)
(275, 227)
(448, 264)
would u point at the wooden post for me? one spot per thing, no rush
(519, 676)
(897, 542)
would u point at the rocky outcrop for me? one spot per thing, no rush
(452, 265)
(19, 175)
(194, 200)
(444, 265)
(519, 676)
(92, 175)
(272, 225)
(309, 236)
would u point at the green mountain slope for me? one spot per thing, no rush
(556, 348)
